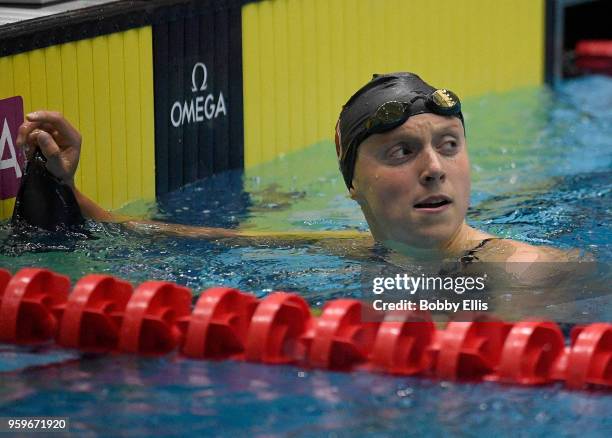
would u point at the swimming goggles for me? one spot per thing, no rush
(391, 114)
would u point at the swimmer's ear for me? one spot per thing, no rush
(337, 141)
(355, 193)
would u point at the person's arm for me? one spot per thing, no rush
(91, 210)
(60, 143)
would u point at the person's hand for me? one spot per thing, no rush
(57, 139)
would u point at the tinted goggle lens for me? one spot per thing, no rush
(444, 102)
(388, 114)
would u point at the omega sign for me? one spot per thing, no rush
(202, 106)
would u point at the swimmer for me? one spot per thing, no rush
(403, 154)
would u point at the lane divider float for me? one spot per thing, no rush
(105, 314)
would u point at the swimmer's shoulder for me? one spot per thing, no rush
(524, 252)
(530, 264)
(514, 251)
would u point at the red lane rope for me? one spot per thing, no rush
(105, 314)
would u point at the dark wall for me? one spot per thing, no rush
(197, 55)
(565, 26)
(589, 20)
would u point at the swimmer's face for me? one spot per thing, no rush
(397, 171)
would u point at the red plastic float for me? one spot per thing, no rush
(5, 276)
(589, 360)
(469, 350)
(93, 313)
(28, 312)
(276, 328)
(218, 325)
(150, 322)
(402, 343)
(339, 338)
(530, 353)
(102, 314)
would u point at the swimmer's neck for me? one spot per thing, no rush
(464, 239)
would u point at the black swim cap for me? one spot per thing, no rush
(382, 104)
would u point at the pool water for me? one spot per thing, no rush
(541, 173)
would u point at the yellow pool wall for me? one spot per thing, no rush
(104, 87)
(303, 59)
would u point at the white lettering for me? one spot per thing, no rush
(209, 105)
(220, 106)
(377, 285)
(199, 65)
(401, 305)
(176, 122)
(189, 112)
(199, 109)
(11, 162)
(439, 305)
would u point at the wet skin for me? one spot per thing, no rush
(395, 173)
(413, 183)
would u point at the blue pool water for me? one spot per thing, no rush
(541, 173)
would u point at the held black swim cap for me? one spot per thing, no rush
(45, 202)
(385, 103)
